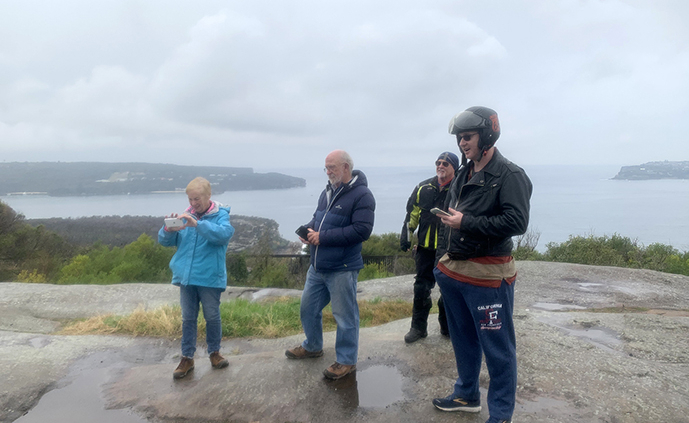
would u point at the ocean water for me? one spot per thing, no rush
(567, 200)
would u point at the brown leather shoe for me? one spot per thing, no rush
(300, 352)
(218, 361)
(338, 371)
(185, 366)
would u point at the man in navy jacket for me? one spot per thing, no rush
(342, 222)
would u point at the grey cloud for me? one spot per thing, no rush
(573, 82)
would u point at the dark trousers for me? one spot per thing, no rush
(480, 322)
(423, 284)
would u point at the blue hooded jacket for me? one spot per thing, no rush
(200, 256)
(344, 219)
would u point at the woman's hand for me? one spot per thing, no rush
(189, 220)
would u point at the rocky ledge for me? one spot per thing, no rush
(594, 345)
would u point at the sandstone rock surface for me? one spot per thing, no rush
(576, 363)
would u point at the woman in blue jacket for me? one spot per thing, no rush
(199, 269)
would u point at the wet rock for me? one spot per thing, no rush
(576, 363)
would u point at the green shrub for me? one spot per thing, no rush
(31, 277)
(237, 273)
(141, 261)
(374, 271)
(525, 246)
(25, 249)
(382, 245)
(618, 251)
(589, 250)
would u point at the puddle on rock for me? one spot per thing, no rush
(544, 407)
(78, 402)
(602, 338)
(586, 286)
(556, 306)
(39, 342)
(373, 387)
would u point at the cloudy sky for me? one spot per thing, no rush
(281, 83)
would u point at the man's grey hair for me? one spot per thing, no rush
(346, 158)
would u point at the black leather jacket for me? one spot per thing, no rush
(495, 203)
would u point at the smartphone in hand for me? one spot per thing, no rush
(436, 211)
(174, 222)
(302, 231)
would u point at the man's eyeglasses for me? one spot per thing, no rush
(441, 163)
(330, 168)
(466, 137)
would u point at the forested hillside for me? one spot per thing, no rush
(111, 249)
(118, 231)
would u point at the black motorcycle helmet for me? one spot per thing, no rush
(478, 118)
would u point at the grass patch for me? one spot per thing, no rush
(240, 318)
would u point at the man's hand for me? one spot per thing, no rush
(306, 240)
(454, 220)
(404, 238)
(314, 237)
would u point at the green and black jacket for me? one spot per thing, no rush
(425, 196)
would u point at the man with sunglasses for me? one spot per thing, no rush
(488, 204)
(427, 195)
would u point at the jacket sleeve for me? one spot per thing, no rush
(412, 215)
(513, 219)
(360, 228)
(216, 233)
(441, 247)
(167, 239)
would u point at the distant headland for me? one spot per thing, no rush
(655, 170)
(61, 179)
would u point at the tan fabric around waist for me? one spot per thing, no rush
(482, 271)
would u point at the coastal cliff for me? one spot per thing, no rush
(655, 170)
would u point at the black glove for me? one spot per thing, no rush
(404, 238)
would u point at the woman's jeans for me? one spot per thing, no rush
(190, 298)
(338, 289)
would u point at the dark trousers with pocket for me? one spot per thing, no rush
(481, 324)
(423, 284)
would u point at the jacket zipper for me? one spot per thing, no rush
(456, 207)
(320, 225)
(193, 253)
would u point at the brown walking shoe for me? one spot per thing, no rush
(218, 361)
(338, 371)
(301, 352)
(185, 366)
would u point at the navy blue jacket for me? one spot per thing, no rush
(344, 219)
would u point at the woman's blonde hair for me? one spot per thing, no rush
(201, 185)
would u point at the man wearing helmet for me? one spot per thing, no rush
(488, 204)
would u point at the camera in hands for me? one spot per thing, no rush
(174, 222)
